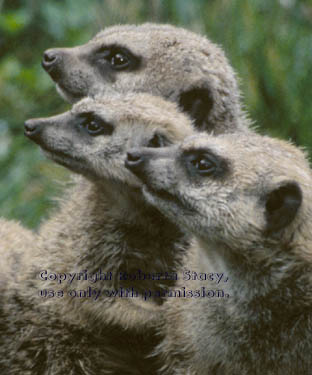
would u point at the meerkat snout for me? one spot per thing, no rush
(36, 129)
(134, 160)
(138, 159)
(51, 62)
(32, 128)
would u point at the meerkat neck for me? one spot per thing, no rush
(127, 204)
(107, 235)
(254, 276)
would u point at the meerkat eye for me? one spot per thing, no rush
(157, 141)
(118, 57)
(93, 128)
(95, 125)
(203, 164)
(119, 61)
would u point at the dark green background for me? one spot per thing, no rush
(269, 43)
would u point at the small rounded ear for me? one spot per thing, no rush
(197, 102)
(281, 206)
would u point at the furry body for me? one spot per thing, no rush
(252, 221)
(172, 65)
(103, 223)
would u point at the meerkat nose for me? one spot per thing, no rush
(31, 128)
(135, 161)
(51, 60)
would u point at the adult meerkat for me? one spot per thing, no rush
(248, 201)
(104, 226)
(163, 60)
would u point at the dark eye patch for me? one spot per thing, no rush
(95, 125)
(158, 140)
(118, 58)
(204, 163)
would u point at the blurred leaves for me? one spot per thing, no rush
(268, 42)
(14, 22)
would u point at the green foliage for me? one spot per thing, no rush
(268, 42)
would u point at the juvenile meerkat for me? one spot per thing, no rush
(103, 226)
(163, 60)
(248, 201)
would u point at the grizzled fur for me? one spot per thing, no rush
(248, 201)
(162, 60)
(15, 249)
(103, 223)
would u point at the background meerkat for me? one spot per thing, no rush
(103, 225)
(163, 60)
(247, 200)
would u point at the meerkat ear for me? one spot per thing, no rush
(282, 205)
(197, 102)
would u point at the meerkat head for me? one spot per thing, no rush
(237, 190)
(163, 60)
(92, 138)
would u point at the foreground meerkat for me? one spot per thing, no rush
(248, 201)
(62, 316)
(163, 60)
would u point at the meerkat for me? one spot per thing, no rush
(248, 202)
(103, 227)
(163, 60)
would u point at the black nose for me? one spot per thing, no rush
(32, 128)
(135, 161)
(51, 59)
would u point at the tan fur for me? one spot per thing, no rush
(16, 244)
(265, 325)
(106, 200)
(103, 223)
(172, 63)
(173, 66)
(107, 203)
